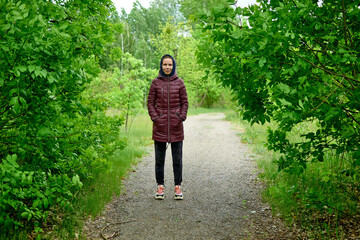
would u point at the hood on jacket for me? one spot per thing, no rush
(174, 66)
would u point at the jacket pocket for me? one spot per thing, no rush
(178, 115)
(157, 118)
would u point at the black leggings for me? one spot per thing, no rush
(160, 153)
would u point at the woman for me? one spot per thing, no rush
(167, 106)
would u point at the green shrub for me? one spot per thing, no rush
(50, 141)
(323, 199)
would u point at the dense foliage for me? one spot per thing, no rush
(49, 138)
(295, 63)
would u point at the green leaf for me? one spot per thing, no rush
(24, 214)
(236, 34)
(46, 203)
(12, 91)
(5, 48)
(264, 26)
(262, 61)
(22, 68)
(31, 68)
(284, 102)
(14, 101)
(23, 177)
(23, 101)
(262, 44)
(51, 79)
(44, 131)
(43, 73)
(302, 79)
(37, 72)
(6, 27)
(284, 88)
(65, 35)
(301, 104)
(30, 177)
(37, 203)
(6, 179)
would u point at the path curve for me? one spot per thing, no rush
(220, 186)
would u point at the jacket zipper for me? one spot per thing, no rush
(168, 90)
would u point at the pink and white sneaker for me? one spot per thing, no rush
(160, 192)
(178, 194)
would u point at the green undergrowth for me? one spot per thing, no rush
(322, 201)
(106, 183)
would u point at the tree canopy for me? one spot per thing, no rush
(294, 62)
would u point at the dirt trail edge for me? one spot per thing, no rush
(221, 193)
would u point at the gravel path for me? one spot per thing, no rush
(220, 187)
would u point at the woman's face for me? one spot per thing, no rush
(167, 65)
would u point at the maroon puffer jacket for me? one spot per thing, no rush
(168, 105)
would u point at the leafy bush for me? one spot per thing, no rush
(50, 139)
(27, 196)
(295, 63)
(322, 198)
